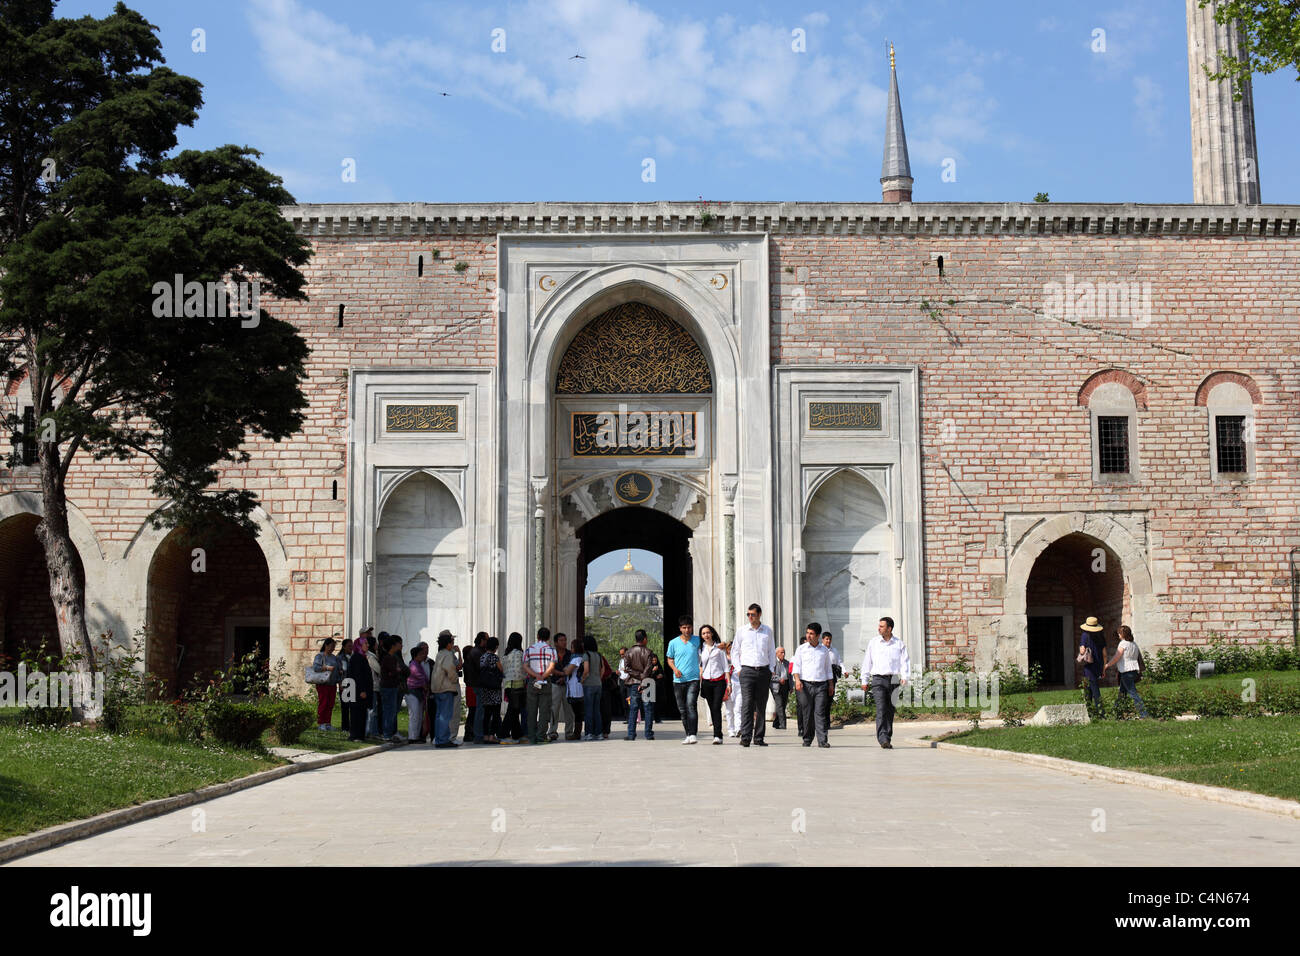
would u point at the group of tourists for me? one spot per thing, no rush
(552, 682)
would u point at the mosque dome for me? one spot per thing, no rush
(628, 586)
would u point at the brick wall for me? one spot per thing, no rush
(1002, 427)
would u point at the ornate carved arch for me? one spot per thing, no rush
(673, 495)
(633, 348)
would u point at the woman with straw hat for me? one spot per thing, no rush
(1092, 655)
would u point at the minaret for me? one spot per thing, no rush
(1225, 162)
(896, 171)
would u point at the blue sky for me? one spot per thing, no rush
(1011, 92)
(605, 565)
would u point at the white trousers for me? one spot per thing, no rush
(734, 709)
(416, 715)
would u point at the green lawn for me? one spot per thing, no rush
(50, 776)
(1043, 697)
(1260, 754)
(54, 775)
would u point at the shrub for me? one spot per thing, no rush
(1220, 702)
(1229, 657)
(1279, 698)
(239, 723)
(46, 662)
(289, 718)
(1012, 680)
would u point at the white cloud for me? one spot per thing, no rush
(960, 112)
(1149, 104)
(1131, 34)
(680, 76)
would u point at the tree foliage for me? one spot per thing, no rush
(97, 212)
(1269, 34)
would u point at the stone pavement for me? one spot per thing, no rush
(657, 802)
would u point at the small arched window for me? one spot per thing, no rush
(1230, 400)
(1113, 399)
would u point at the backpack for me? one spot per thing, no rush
(489, 678)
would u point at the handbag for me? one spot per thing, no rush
(313, 676)
(1085, 655)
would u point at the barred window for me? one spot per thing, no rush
(29, 436)
(1230, 443)
(1112, 444)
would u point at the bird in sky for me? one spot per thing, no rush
(577, 56)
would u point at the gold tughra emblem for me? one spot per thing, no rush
(634, 487)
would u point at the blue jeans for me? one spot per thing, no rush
(1094, 688)
(1128, 685)
(443, 704)
(372, 720)
(635, 703)
(591, 710)
(688, 695)
(390, 696)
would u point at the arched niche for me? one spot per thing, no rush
(421, 583)
(848, 568)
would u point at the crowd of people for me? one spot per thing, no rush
(553, 681)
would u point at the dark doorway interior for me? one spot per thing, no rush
(1046, 648)
(649, 530)
(248, 638)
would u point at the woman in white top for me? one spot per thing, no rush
(715, 676)
(1128, 657)
(733, 693)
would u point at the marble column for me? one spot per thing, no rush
(729, 486)
(1225, 160)
(539, 553)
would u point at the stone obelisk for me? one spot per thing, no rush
(1225, 162)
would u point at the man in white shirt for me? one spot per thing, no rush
(812, 681)
(885, 665)
(755, 650)
(836, 668)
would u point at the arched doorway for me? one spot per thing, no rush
(27, 616)
(1075, 577)
(633, 394)
(649, 530)
(420, 577)
(846, 584)
(209, 603)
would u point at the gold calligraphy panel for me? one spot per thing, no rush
(651, 434)
(421, 418)
(844, 416)
(633, 349)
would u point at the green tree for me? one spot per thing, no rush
(1270, 38)
(98, 210)
(1041, 197)
(615, 625)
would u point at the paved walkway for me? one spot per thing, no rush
(657, 802)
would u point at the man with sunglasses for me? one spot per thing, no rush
(755, 649)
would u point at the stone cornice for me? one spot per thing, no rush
(795, 218)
